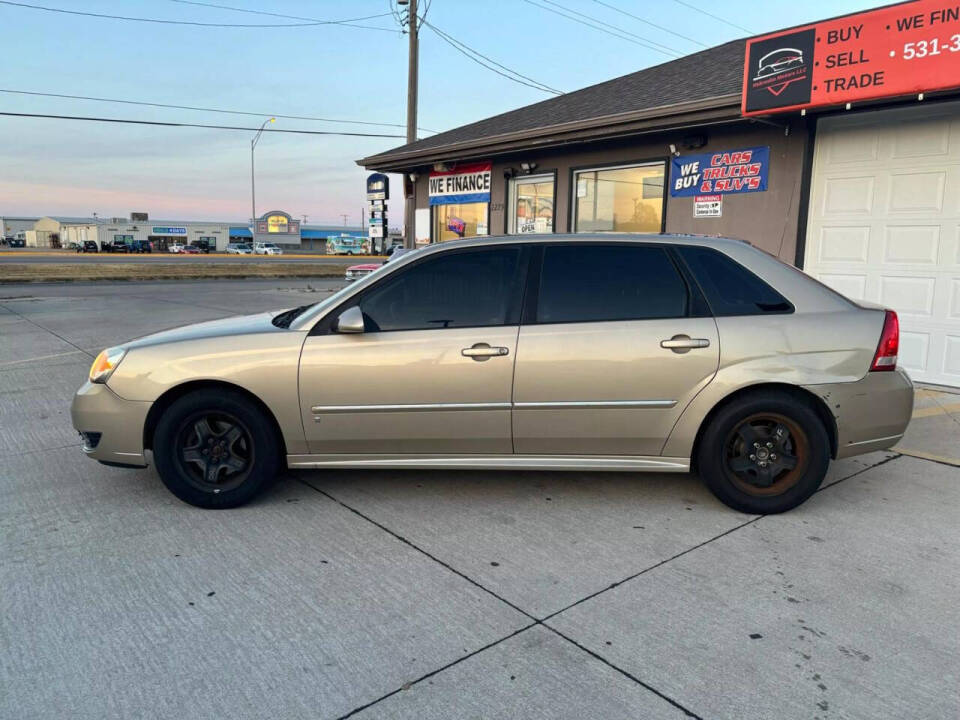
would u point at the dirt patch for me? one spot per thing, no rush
(56, 272)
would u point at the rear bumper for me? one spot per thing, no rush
(97, 409)
(872, 413)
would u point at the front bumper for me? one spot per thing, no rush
(97, 409)
(872, 413)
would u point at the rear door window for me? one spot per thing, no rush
(594, 283)
(729, 287)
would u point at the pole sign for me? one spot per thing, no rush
(724, 172)
(378, 187)
(378, 192)
(469, 183)
(898, 50)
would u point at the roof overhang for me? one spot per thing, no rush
(707, 111)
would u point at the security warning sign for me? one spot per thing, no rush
(893, 51)
(722, 172)
(708, 206)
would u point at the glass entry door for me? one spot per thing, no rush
(531, 204)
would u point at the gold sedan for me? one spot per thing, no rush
(615, 352)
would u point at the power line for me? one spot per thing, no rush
(204, 109)
(279, 15)
(195, 125)
(648, 44)
(469, 52)
(648, 22)
(715, 17)
(346, 21)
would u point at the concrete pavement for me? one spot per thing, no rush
(448, 594)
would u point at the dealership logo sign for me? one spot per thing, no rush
(779, 68)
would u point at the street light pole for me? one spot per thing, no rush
(253, 182)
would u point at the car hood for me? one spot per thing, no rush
(227, 327)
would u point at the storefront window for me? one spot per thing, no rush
(621, 199)
(531, 204)
(125, 239)
(452, 222)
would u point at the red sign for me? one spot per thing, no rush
(898, 50)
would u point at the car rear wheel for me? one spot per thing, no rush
(764, 453)
(215, 449)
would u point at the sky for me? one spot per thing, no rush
(59, 167)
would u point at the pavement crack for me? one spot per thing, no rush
(487, 590)
(420, 550)
(46, 329)
(689, 713)
(411, 683)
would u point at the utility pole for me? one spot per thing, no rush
(344, 216)
(409, 239)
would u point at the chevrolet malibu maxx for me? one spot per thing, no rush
(614, 352)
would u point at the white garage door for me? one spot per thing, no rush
(884, 225)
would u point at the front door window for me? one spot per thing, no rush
(531, 204)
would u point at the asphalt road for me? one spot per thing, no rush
(443, 594)
(19, 256)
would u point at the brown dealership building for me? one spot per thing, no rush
(863, 194)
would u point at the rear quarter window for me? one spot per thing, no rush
(729, 287)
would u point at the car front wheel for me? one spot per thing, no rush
(215, 449)
(764, 453)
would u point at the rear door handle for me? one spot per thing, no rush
(483, 351)
(684, 343)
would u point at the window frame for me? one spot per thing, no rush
(618, 165)
(518, 292)
(509, 217)
(696, 306)
(695, 279)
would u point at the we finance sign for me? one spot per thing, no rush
(463, 184)
(720, 173)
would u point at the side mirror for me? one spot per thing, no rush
(350, 321)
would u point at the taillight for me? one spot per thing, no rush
(886, 356)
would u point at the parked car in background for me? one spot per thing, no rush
(238, 249)
(580, 352)
(355, 272)
(190, 250)
(117, 246)
(266, 249)
(88, 246)
(17, 242)
(203, 246)
(141, 246)
(175, 248)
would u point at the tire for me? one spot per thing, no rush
(764, 453)
(238, 446)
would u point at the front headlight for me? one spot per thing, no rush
(105, 364)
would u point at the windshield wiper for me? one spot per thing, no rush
(284, 319)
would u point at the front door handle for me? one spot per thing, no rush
(483, 351)
(684, 343)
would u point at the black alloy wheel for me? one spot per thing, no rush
(215, 451)
(216, 448)
(764, 452)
